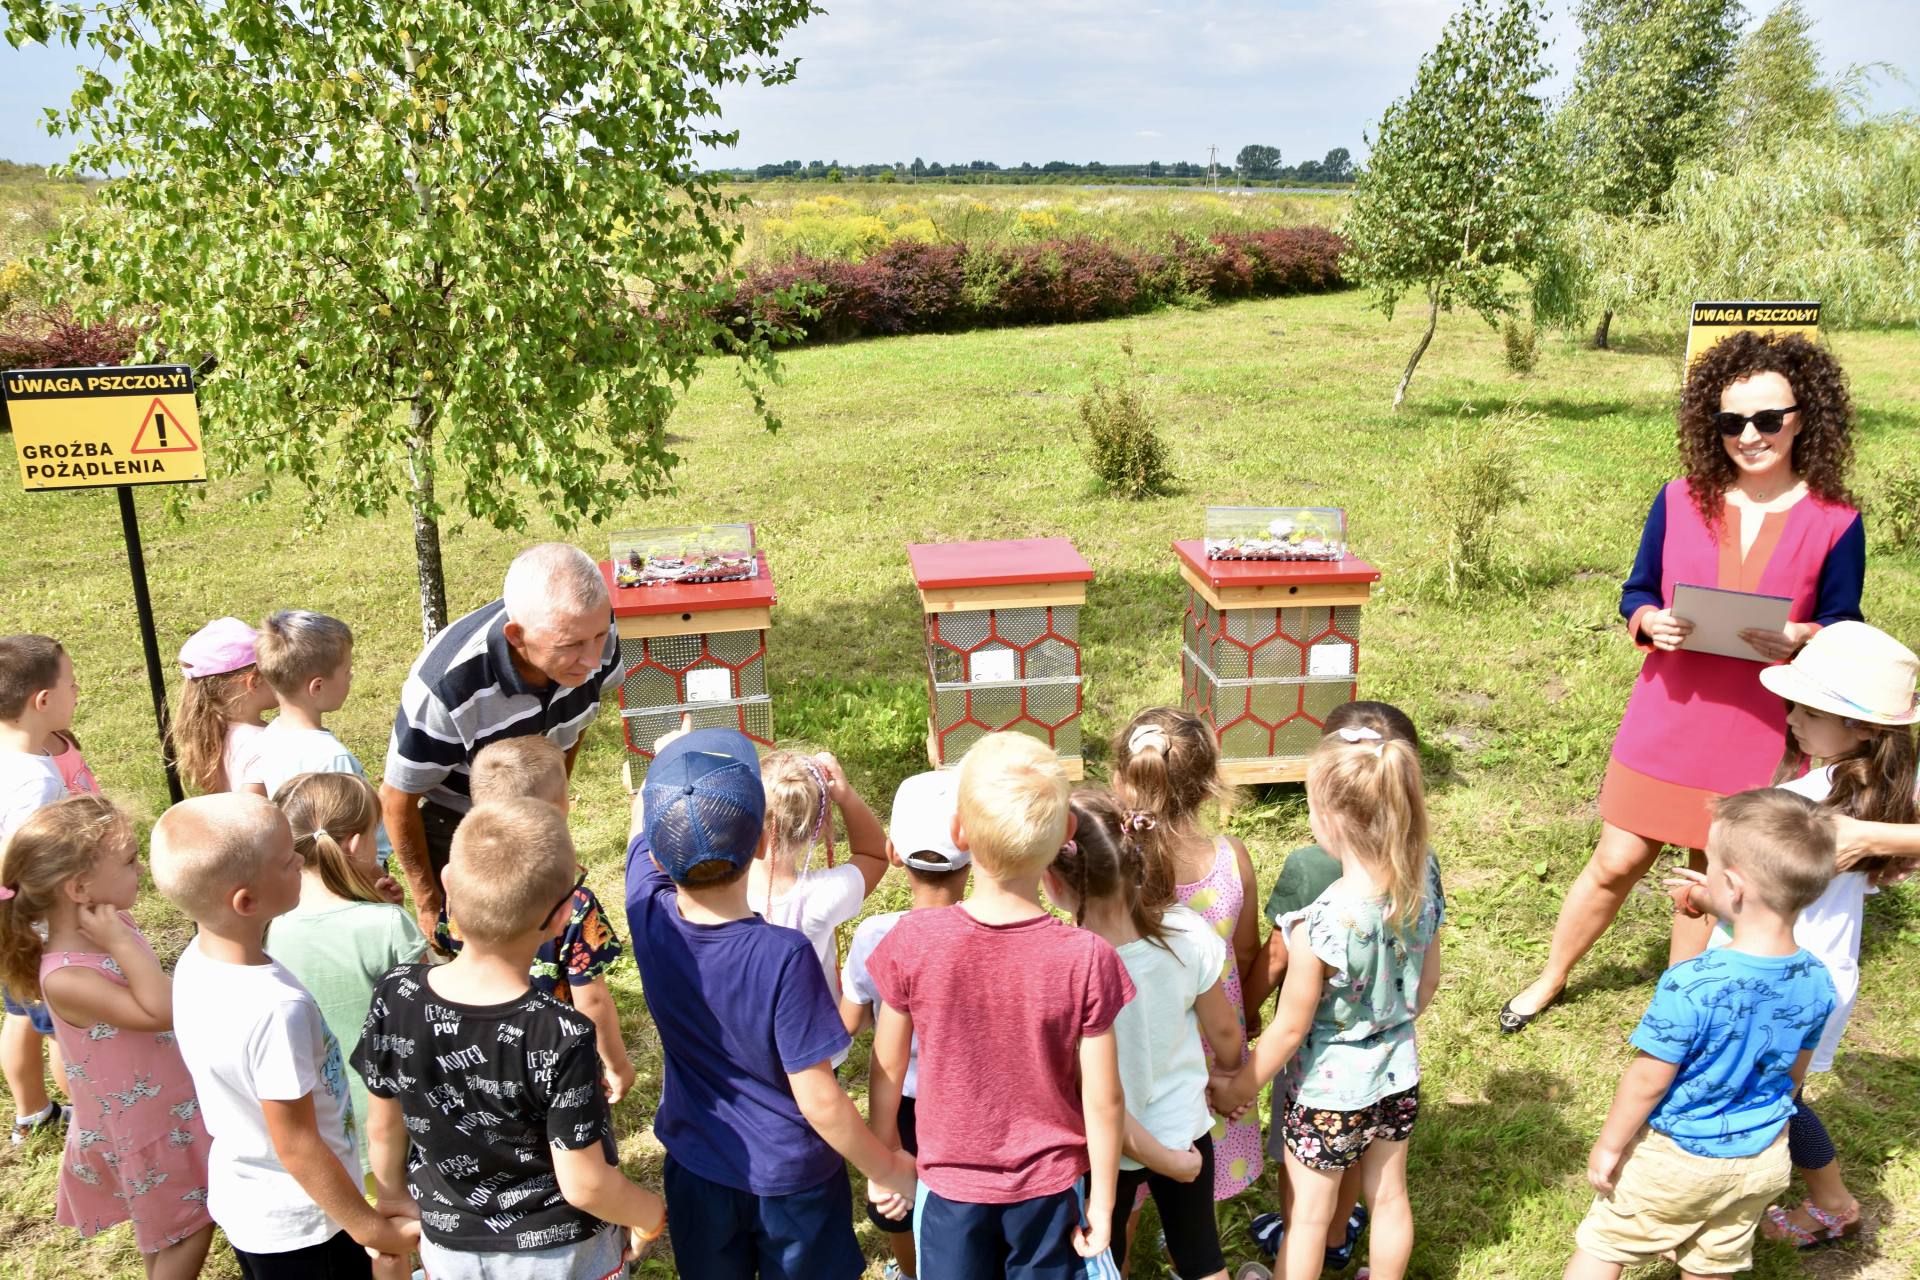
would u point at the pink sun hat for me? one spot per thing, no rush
(223, 645)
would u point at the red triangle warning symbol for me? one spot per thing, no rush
(168, 434)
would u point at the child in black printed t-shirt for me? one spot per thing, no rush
(486, 1103)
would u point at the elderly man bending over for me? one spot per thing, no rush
(535, 661)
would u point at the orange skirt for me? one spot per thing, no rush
(1656, 810)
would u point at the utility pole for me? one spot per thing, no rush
(1213, 170)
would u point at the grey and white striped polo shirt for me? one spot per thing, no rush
(465, 692)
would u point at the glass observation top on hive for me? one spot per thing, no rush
(683, 554)
(1276, 533)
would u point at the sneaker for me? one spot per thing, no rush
(893, 1272)
(1253, 1271)
(55, 1113)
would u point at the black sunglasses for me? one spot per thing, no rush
(1767, 422)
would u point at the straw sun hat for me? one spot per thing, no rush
(1851, 669)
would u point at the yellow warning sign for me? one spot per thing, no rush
(84, 428)
(1711, 322)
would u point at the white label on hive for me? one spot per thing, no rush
(1332, 659)
(709, 684)
(994, 664)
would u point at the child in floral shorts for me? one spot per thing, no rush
(571, 966)
(1363, 962)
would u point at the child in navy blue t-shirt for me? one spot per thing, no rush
(1695, 1147)
(756, 1126)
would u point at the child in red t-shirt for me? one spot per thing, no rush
(1022, 1116)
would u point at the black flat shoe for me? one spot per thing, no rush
(1513, 1021)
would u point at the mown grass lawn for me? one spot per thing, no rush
(1517, 690)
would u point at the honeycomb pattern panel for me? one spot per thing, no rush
(970, 692)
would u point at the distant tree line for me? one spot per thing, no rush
(1256, 164)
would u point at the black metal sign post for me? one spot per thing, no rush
(143, 602)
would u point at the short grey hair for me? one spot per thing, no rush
(553, 580)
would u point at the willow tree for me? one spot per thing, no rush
(427, 244)
(1646, 98)
(1459, 190)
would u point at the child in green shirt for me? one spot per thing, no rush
(344, 935)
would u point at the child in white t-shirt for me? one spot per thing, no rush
(919, 838)
(1850, 696)
(284, 1174)
(1177, 963)
(38, 694)
(785, 887)
(308, 659)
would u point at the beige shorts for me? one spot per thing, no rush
(1703, 1208)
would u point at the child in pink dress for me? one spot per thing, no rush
(1166, 767)
(136, 1149)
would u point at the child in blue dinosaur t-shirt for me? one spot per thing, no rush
(1695, 1146)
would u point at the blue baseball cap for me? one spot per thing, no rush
(703, 801)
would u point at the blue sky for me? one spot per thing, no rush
(1112, 80)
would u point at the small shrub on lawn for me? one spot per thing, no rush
(1893, 501)
(1469, 485)
(1122, 441)
(1522, 342)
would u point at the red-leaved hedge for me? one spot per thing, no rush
(50, 338)
(912, 287)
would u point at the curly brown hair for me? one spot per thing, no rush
(1822, 452)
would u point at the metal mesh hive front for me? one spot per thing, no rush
(969, 652)
(1249, 673)
(655, 691)
(1266, 643)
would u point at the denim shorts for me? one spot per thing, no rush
(595, 1258)
(35, 1013)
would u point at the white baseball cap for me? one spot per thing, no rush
(922, 822)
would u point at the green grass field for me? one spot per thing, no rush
(1517, 690)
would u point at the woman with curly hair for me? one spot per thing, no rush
(1765, 437)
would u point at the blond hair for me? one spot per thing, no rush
(1012, 804)
(797, 811)
(57, 843)
(206, 847)
(325, 811)
(527, 767)
(298, 645)
(511, 860)
(1372, 787)
(1781, 842)
(208, 705)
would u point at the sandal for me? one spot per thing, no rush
(1267, 1230)
(54, 1114)
(1828, 1227)
(1339, 1256)
(1513, 1021)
